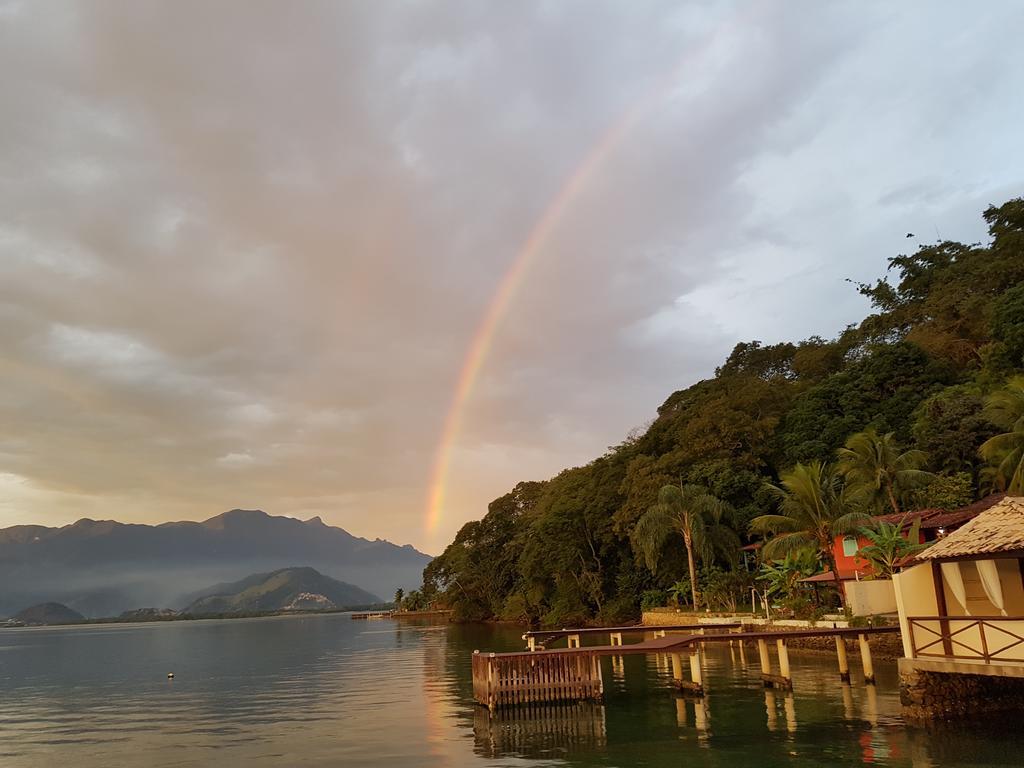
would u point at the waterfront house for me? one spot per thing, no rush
(961, 612)
(866, 596)
(935, 524)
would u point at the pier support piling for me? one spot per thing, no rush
(677, 667)
(844, 663)
(696, 673)
(766, 662)
(865, 658)
(784, 660)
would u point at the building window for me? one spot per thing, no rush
(850, 546)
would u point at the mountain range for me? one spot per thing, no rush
(102, 568)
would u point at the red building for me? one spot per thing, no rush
(935, 523)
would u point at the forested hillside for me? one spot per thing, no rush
(946, 332)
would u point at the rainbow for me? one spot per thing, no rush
(515, 274)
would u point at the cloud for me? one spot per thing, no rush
(252, 241)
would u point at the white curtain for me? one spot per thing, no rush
(951, 573)
(990, 581)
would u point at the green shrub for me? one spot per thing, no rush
(652, 598)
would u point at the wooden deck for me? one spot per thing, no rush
(541, 638)
(574, 673)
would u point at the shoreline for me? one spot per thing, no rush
(186, 617)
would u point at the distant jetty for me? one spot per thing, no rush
(401, 614)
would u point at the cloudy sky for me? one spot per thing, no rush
(245, 246)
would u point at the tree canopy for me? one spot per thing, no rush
(930, 370)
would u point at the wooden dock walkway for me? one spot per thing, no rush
(574, 673)
(541, 638)
(372, 615)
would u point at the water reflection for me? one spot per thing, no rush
(540, 731)
(329, 691)
(771, 708)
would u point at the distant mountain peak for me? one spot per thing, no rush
(235, 517)
(294, 588)
(48, 613)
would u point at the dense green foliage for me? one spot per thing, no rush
(815, 506)
(696, 515)
(945, 333)
(879, 473)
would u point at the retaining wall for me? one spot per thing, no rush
(948, 696)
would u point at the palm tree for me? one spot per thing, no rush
(399, 594)
(815, 507)
(699, 516)
(1005, 409)
(879, 471)
(889, 545)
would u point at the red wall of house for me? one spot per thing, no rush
(845, 563)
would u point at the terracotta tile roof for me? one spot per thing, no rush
(998, 529)
(934, 517)
(827, 576)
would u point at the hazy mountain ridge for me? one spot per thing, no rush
(48, 613)
(284, 589)
(102, 568)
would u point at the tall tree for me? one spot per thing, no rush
(695, 514)
(814, 508)
(1005, 451)
(878, 471)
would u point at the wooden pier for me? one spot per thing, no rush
(372, 615)
(574, 673)
(542, 638)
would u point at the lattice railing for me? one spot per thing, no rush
(986, 638)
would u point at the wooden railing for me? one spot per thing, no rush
(984, 638)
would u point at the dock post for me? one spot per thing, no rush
(865, 657)
(574, 641)
(784, 661)
(492, 683)
(766, 662)
(844, 663)
(677, 667)
(696, 674)
(531, 643)
(743, 654)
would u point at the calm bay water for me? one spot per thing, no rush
(329, 691)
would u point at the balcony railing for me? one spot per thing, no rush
(977, 638)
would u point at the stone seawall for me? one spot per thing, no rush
(948, 696)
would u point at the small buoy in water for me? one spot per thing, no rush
(170, 675)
